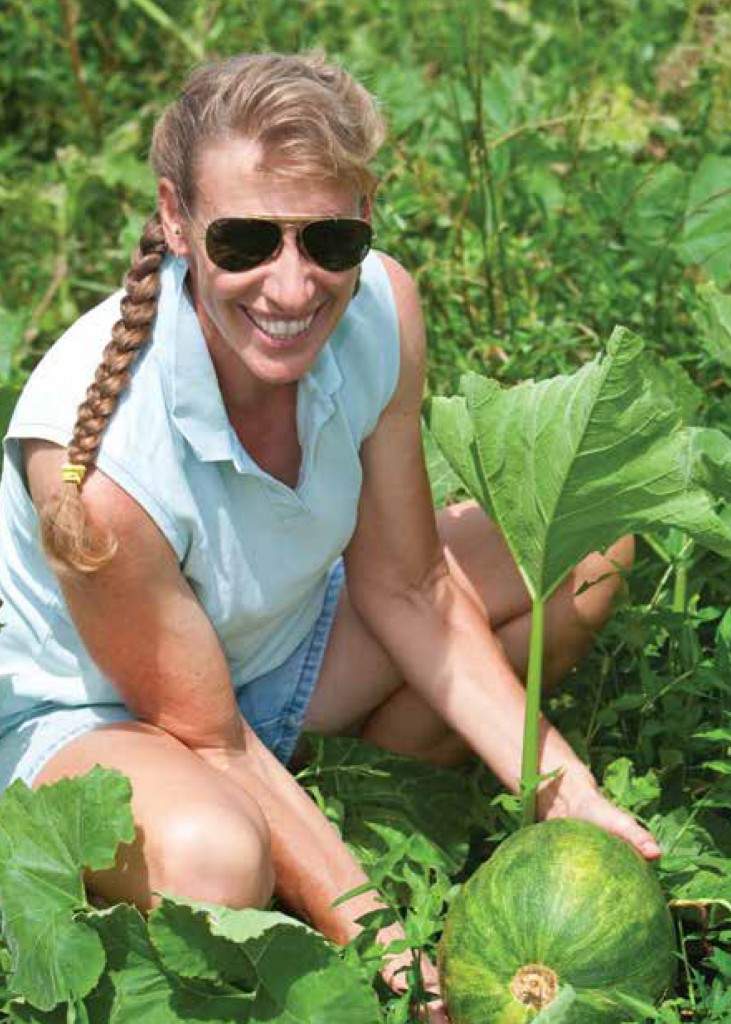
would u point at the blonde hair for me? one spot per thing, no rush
(309, 117)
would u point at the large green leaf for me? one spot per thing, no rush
(183, 935)
(139, 989)
(200, 963)
(47, 838)
(451, 427)
(295, 974)
(568, 465)
(657, 204)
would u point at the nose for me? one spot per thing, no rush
(290, 283)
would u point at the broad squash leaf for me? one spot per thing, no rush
(47, 838)
(452, 428)
(139, 989)
(292, 973)
(568, 465)
(181, 932)
(653, 211)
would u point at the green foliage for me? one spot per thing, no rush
(186, 962)
(378, 801)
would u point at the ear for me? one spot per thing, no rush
(366, 208)
(173, 222)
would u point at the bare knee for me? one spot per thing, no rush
(212, 853)
(218, 855)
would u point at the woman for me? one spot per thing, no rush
(186, 614)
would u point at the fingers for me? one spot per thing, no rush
(433, 1012)
(603, 813)
(639, 837)
(437, 1014)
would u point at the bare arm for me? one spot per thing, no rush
(145, 629)
(139, 619)
(413, 600)
(424, 612)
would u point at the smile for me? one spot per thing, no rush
(281, 329)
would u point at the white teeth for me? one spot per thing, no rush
(283, 328)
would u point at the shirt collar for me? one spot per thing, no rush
(198, 409)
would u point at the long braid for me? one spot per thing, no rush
(68, 535)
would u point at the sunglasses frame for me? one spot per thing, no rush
(301, 223)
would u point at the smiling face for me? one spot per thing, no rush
(264, 327)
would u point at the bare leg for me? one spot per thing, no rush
(197, 835)
(361, 692)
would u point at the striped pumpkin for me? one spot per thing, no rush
(559, 904)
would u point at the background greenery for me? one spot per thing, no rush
(554, 167)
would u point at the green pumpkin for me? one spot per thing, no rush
(559, 903)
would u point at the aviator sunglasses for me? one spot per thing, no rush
(242, 243)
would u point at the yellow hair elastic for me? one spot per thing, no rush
(72, 474)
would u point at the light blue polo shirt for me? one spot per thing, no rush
(256, 552)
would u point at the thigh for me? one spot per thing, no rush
(197, 835)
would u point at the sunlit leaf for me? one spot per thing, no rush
(568, 465)
(47, 838)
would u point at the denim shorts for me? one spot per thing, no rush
(273, 704)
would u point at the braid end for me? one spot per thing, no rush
(69, 538)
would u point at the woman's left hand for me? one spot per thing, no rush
(557, 800)
(395, 977)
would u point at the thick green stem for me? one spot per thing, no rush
(682, 565)
(680, 589)
(529, 767)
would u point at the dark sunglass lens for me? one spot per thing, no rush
(236, 243)
(337, 244)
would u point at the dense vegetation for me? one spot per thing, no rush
(553, 170)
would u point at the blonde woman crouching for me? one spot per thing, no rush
(227, 536)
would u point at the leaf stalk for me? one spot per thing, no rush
(529, 777)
